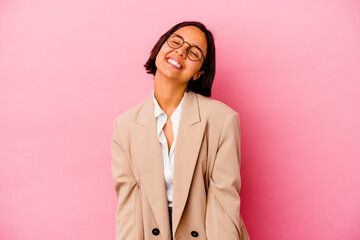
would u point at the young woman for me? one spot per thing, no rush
(176, 155)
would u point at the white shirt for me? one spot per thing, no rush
(168, 157)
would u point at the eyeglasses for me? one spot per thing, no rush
(194, 53)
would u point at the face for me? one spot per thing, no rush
(174, 63)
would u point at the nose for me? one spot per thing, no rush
(182, 51)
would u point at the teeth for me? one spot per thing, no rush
(173, 62)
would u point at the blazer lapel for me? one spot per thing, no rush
(188, 142)
(147, 151)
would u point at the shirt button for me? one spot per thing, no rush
(194, 234)
(156, 231)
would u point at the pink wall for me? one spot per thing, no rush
(291, 69)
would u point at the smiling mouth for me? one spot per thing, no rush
(174, 63)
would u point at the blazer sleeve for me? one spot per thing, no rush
(223, 220)
(127, 223)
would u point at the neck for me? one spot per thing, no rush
(168, 93)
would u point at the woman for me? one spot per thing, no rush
(176, 155)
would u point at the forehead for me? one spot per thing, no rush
(194, 36)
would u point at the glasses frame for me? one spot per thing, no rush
(187, 50)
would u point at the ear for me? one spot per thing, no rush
(197, 75)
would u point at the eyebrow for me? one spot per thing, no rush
(192, 45)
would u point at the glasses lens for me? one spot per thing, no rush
(194, 54)
(175, 42)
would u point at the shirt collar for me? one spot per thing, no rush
(157, 109)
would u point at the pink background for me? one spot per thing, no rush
(291, 70)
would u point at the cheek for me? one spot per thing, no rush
(161, 55)
(163, 50)
(195, 68)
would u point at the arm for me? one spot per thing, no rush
(127, 191)
(223, 202)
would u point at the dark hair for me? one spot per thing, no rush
(204, 83)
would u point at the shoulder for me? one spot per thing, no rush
(212, 109)
(130, 114)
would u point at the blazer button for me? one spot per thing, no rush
(194, 234)
(156, 231)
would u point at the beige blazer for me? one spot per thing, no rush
(206, 183)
